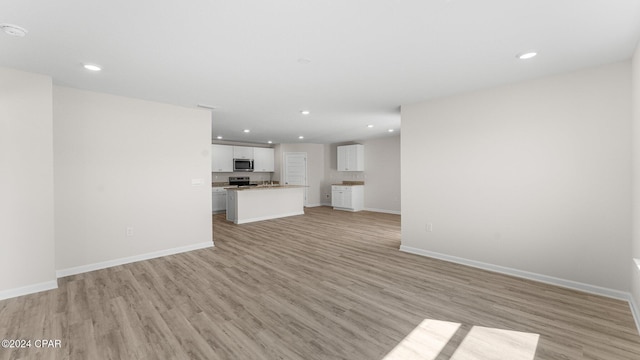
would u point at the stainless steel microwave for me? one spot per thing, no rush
(242, 165)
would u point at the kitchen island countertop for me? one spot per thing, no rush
(265, 187)
(256, 203)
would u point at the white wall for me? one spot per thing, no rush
(635, 272)
(381, 175)
(119, 163)
(26, 184)
(315, 167)
(382, 179)
(532, 176)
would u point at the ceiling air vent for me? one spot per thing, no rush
(13, 30)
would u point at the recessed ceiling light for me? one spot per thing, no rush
(300, 137)
(305, 112)
(92, 67)
(219, 137)
(390, 130)
(13, 30)
(246, 130)
(304, 61)
(269, 142)
(527, 55)
(369, 126)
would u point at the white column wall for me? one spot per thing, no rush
(635, 252)
(26, 184)
(125, 163)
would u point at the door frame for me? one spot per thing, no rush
(306, 171)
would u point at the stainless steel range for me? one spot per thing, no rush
(240, 181)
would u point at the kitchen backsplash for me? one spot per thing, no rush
(224, 177)
(340, 176)
(345, 182)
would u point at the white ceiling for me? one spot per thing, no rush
(367, 57)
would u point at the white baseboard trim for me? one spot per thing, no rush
(313, 205)
(29, 289)
(131, 259)
(395, 212)
(592, 289)
(261, 218)
(635, 311)
(346, 209)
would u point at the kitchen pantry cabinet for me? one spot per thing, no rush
(263, 159)
(242, 152)
(221, 158)
(351, 158)
(350, 198)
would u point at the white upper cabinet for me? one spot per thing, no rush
(221, 158)
(263, 159)
(242, 152)
(351, 158)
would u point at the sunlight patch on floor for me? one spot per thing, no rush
(427, 340)
(489, 343)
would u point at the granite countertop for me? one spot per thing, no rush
(350, 183)
(226, 184)
(266, 187)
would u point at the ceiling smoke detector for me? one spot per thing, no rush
(13, 30)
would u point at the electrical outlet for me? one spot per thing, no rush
(429, 227)
(129, 230)
(326, 196)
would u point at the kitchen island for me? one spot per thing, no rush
(256, 203)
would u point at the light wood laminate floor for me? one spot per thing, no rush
(324, 285)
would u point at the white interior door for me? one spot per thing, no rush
(295, 170)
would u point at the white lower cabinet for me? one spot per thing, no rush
(219, 198)
(232, 206)
(350, 198)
